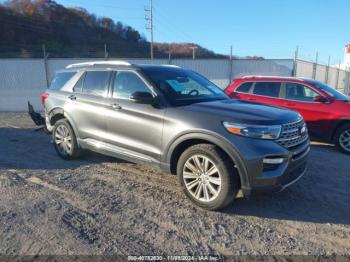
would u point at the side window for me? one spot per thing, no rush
(96, 83)
(78, 87)
(126, 83)
(60, 80)
(245, 87)
(271, 89)
(300, 92)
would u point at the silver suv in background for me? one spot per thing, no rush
(179, 121)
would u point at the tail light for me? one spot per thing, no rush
(43, 97)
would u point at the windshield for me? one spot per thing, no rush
(183, 86)
(329, 90)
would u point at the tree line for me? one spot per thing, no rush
(26, 26)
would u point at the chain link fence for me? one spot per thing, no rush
(25, 79)
(335, 77)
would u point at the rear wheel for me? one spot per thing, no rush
(64, 140)
(207, 176)
(342, 138)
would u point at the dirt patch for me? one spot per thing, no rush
(101, 205)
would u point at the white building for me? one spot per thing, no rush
(346, 61)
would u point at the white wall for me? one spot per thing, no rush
(23, 80)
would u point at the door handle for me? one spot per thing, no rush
(290, 104)
(115, 106)
(251, 99)
(72, 97)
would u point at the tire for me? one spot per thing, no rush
(342, 138)
(200, 188)
(60, 137)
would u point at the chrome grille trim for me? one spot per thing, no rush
(291, 136)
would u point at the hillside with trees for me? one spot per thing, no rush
(27, 25)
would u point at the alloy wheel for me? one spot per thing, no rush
(202, 178)
(344, 140)
(63, 140)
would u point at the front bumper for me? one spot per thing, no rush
(284, 175)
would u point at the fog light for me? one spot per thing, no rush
(273, 161)
(270, 164)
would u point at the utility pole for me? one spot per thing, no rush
(231, 66)
(106, 52)
(315, 67)
(338, 72)
(46, 56)
(327, 70)
(169, 53)
(149, 26)
(194, 52)
(296, 54)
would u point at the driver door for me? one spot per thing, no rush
(136, 128)
(317, 115)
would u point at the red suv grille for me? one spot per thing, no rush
(292, 135)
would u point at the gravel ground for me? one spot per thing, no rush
(101, 205)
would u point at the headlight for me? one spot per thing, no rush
(254, 131)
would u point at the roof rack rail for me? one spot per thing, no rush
(170, 65)
(266, 76)
(93, 63)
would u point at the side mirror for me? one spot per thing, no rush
(142, 97)
(321, 99)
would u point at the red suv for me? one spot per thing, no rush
(325, 110)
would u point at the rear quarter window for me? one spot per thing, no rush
(60, 80)
(96, 82)
(245, 87)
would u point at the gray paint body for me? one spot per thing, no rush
(150, 133)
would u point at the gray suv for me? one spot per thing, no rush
(179, 121)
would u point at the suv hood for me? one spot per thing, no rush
(246, 112)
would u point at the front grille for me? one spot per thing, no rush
(291, 134)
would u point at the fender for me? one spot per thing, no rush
(58, 110)
(215, 139)
(338, 123)
(55, 111)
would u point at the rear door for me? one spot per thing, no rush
(87, 105)
(300, 98)
(266, 93)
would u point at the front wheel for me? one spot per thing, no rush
(207, 176)
(342, 138)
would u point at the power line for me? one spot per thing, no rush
(167, 29)
(107, 6)
(37, 29)
(172, 26)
